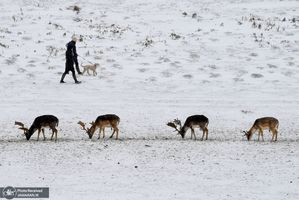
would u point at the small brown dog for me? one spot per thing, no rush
(91, 67)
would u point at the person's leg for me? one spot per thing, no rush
(66, 71)
(62, 77)
(74, 76)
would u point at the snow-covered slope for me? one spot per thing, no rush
(233, 61)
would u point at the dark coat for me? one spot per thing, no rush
(71, 57)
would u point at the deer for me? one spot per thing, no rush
(192, 122)
(260, 124)
(39, 124)
(102, 121)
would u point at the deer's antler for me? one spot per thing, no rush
(24, 129)
(171, 124)
(178, 122)
(82, 124)
(19, 124)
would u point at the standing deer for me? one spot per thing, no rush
(194, 121)
(260, 124)
(102, 121)
(39, 124)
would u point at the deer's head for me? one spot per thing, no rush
(88, 130)
(25, 130)
(92, 129)
(247, 134)
(177, 125)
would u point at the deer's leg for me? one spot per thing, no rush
(103, 132)
(38, 134)
(274, 135)
(56, 134)
(193, 133)
(207, 132)
(116, 129)
(100, 133)
(52, 128)
(54, 131)
(262, 134)
(52, 134)
(43, 131)
(203, 134)
(111, 136)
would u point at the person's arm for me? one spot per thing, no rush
(75, 51)
(76, 59)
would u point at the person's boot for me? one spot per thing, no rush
(78, 69)
(74, 77)
(61, 80)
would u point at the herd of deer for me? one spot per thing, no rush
(111, 120)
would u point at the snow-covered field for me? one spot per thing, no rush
(233, 61)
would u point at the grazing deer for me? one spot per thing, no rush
(102, 121)
(260, 124)
(39, 124)
(194, 121)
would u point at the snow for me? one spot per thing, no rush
(221, 66)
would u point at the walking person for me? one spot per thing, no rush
(71, 58)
